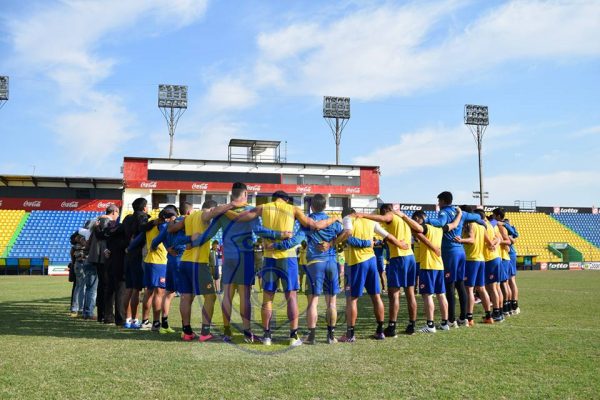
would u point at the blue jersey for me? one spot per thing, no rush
(512, 232)
(445, 216)
(171, 240)
(237, 236)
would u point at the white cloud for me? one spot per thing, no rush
(569, 187)
(592, 130)
(432, 147)
(387, 51)
(63, 42)
(228, 94)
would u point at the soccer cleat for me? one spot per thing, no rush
(331, 340)
(517, 311)
(390, 332)
(206, 338)
(427, 329)
(295, 341)
(498, 318)
(188, 337)
(410, 329)
(267, 341)
(155, 328)
(506, 314)
(309, 340)
(470, 323)
(252, 338)
(166, 331)
(477, 300)
(461, 322)
(379, 336)
(446, 327)
(489, 321)
(146, 326)
(452, 325)
(346, 339)
(73, 314)
(227, 339)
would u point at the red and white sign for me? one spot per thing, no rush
(199, 186)
(8, 203)
(353, 190)
(254, 188)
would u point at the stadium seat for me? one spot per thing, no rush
(9, 220)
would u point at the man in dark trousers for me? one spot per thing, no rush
(116, 243)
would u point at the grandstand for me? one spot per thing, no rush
(10, 220)
(585, 225)
(46, 234)
(538, 230)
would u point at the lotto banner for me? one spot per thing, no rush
(30, 204)
(558, 266)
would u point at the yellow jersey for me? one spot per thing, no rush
(490, 232)
(278, 216)
(363, 229)
(474, 251)
(158, 256)
(430, 260)
(302, 256)
(401, 230)
(503, 249)
(193, 224)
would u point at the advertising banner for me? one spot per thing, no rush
(558, 266)
(30, 204)
(591, 266)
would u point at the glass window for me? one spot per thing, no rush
(191, 198)
(338, 202)
(163, 198)
(219, 198)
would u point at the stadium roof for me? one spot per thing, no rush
(56, 181)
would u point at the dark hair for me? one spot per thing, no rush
(467, 208)
(318, 202)
(348, 211)
(419, 214)
(280, 194)
(186, 207)
(111, 209)
(209, 204)
(214, 242)
(139, 204)
(237, 189)
(480, 212)
(499, 212)
(169, 211)
(385, 208)
(446, 197)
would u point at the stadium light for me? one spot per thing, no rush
(334, 110)
(172, 101)
(477, 119)
(3, 90)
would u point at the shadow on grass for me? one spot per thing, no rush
(48, 317)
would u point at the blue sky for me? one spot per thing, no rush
(84, 79)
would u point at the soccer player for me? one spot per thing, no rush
(453, 255)
(174, 253)
(194, 277)
(280, 265)
(302, 265)
(361, 270)
(473, 239)
(493, 262)
(378, 249)
(500, 215)
(402, 268)
(238, 268)
(431, 273)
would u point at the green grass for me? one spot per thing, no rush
(551, 350)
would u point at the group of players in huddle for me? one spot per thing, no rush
(461, 250)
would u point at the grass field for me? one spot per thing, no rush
(551, 350)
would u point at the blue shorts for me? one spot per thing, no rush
(155, 275)
(362, 276)
(134, 272)
(504, 271)
(402, 272)
(172, 263)
(239, 270)
(194, 278)
(284, 269)
(431, 281)
(454, 264)
(492, 269)
(513, 264)
(475, 273)
(322, 276)
(380, 264)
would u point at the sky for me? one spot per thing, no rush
(84, 77)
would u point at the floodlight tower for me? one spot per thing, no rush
(334, 110)
(172, 101)
(477, 119)
(3, 90)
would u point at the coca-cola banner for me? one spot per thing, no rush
(8, 203)
(252, 187)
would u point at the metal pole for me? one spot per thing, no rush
(171, 133)
(479, 142)
(337, 141)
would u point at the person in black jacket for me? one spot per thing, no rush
(116, 243)
(133, 224)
